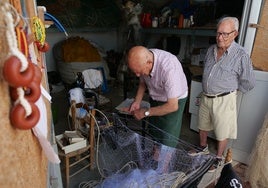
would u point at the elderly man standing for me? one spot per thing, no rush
(161, 73)
(227, 69)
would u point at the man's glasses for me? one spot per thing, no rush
(224, 35)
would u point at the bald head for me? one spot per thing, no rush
(140, 60)
(137, 56)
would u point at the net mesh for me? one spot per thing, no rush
(257, 170)
(126, 158)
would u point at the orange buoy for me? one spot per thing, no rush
(32, 92)
(12, 74)
(19, 119)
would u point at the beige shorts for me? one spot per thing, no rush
(219, 114)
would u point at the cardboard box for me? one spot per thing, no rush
(71, 147)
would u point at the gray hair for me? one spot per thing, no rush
(233, 19)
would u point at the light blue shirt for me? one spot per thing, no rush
(233, 71)
(167, 79)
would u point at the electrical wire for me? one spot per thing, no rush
(56, 22)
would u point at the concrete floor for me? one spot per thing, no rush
(60, 109)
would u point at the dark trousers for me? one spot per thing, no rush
(166, 129)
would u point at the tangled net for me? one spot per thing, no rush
(128, 159)
(257, 171)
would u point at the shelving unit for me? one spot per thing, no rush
(83, 29)
(194, 31)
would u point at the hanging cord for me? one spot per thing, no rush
(56, 22)
(98, 138)
(97, 142)
(7, 7)
(21, 100)
(98, 130)
(11, 38)
(13, 50)
(94, 183)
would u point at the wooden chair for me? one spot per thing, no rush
(84, 154)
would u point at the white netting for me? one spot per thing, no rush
(128, 159)
(257, 170)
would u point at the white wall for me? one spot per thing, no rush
(106, 39)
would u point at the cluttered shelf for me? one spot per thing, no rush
(53, 29)
(198, 31)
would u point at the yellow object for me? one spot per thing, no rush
(38, 29)
(228, 157)
(78, 49)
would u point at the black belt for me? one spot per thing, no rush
(219, 95)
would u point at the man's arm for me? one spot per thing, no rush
(247, 78)
(170, 106)
(137, 101)
(140, 92)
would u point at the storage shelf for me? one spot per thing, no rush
(83, 29)
(185, 31)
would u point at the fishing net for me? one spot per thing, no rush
(126, 158)
(257, 170)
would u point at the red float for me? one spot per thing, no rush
(42, 48)
(31, 93)
(19, 119)
(37, 74)
(12, 74)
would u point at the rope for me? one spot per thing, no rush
(21, 100)
(13, 50)
(12, 40)
(83, 184)
(97, 144)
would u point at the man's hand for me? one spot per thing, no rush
(139, 114)
(130, 110)
(125, 110)
(134, 106)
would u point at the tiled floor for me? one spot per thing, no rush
(60, 109)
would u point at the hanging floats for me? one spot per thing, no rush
(13, 74)
(22, 75)
(20, 120)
